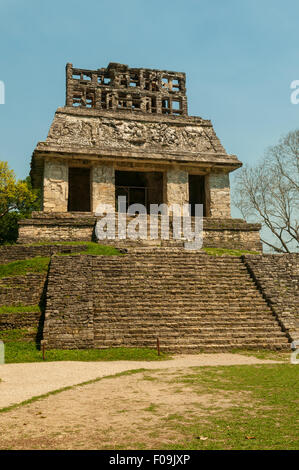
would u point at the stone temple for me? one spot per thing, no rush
(126, 131)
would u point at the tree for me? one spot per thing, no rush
(17, 200)
(269, 193)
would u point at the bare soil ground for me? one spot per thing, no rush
(131, 411)
(152, 408)
(20, 382)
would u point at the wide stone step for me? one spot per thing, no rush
(182, 315)
(201, 273)
(199, 346)
(172, 295)
(193, 324)
(185, 333)
(191, 328)
(170, 308)
(166, 311)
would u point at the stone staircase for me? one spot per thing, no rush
(26, 291)
(191, 301)
(277, 277)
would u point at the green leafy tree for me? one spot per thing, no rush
(17, 200)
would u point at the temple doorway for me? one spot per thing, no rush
(139, 187)
(197, 192)
(79, 190)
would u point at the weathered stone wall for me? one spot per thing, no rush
(19, 252)
(219, 195)
(277, 277)
(55, 186)
(232, 234)
(103, 186)
(51, 227)
(25, 290)
(69, 312)
(177, 190)
(218, 233)
(12, 321)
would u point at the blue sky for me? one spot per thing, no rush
(240, 57)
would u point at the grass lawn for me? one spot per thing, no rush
(20, 268)
(265, 414)
(248, 407)
(280, 355)
(27, 352)
(20, 347)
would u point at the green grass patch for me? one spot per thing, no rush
(20, 268)
(40, 264)
(280, 355)
(17, 350)
(20, 309)
(93, 248)
(20, 335)
(224, 251)
(152, 408)
(265, 414)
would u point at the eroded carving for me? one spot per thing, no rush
(116, 133)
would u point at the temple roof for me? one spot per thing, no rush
(95, 132)
(102, 121)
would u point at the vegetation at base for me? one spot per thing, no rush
(20, 308)
(264, 416)
(247, 407)
(19, 347)
(226, 251)
(38, 264)
(17, 201)
(280, 355)
(9, 228)
(93, 249)
(19, 335)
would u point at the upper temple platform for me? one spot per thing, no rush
(126, 132)
(137, 114)
(119, 87)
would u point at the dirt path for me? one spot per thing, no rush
(20, 382)
(151, 409)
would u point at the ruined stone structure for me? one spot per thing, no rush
(126, 131)
(191, 301)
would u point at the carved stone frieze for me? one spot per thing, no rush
(121, 134)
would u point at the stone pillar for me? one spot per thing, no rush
(103, 186)
(219, 195)
(55, 187)
(177, 187)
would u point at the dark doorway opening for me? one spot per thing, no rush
(197, 192)
(139, 187)
(79, 190)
